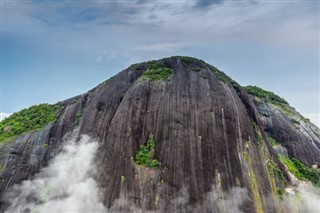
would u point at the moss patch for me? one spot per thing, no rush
(204, 76)
(272, 141)
(245, 156)
(26, 120)
(156, 71)
(256, 196)
(219, 74)
(78, 117)
(257, 131)
(265, 95)
(186, 60)
(145, 155)
(73, 102)
(274, 169)
(295, 121)
(196, 69)
(253, 182)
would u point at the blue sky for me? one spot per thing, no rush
(53, 50)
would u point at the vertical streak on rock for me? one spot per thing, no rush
(226, 142)
(240, 147)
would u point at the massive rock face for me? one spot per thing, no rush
(208, 136)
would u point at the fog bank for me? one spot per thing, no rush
(64, 186)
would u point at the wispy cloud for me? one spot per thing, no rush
(282, 22)
(207, 3)
(161, 47)
(94, 35)
(140, 52)
(66, 185)
(139, 30)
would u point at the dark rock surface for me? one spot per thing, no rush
(299, 137)
(205, 139)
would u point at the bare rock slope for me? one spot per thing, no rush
(295, 136)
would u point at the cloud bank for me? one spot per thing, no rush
(64, 186)
(302, 198)
(256, 42)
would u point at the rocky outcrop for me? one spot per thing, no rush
(296, 136)
(208, 138)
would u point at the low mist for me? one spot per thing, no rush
(214, 201)
(304, 197)
(64, 186)
(67, 185)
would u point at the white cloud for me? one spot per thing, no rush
(277, 23)
(162, 47)
(125, 32)
(140, 52)
(65, 185)
(303, 197)
(4, 115)
(285, 22)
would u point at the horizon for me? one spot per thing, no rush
(54, 50)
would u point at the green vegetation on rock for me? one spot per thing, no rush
(219, 74)
(204, 76)
(78, 116)
(145, 155)
(295, 121)
(278, 102)
(276, 171)
(272, 141)
(265, 95)
(156, 71)
(253, 182)
(73, 101)
(26, 120)
(186, 60)
(257, 131)
(245, 156)
(300, 171)
(196, 69)
(45, 145)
